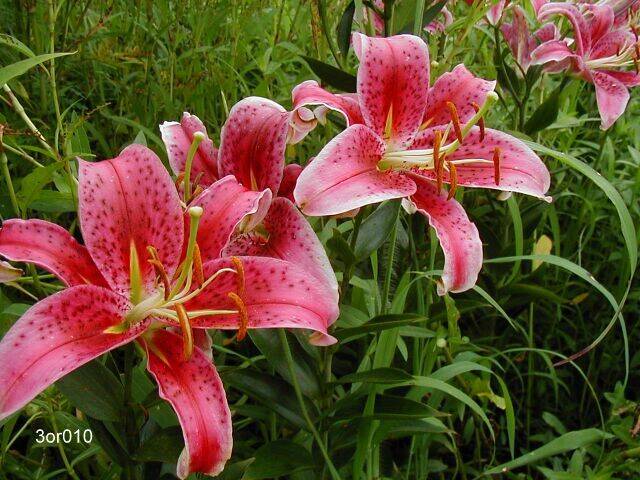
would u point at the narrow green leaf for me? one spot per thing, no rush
(95, 390)
(344, 29)
(331, 75)
(376, 228)
(565, 443)
(16, 69)
(163, 446)
(385, 375)
(277, 459)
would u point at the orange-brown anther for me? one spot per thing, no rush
(159, 269)
(440, 172)
(476, 107)
(196, 191)
(426, 124)
(453, 174)
(179, 180)
(496, 165)
(455, 120)
(197, 265)
(237, 263)
(437, 140)
(242, 313)
(187, 333)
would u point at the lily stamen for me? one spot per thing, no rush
(187, 332)
(197, 266)
(476, 107)
(242, 312)
(455, 120)
(453, 176)
(496, 165)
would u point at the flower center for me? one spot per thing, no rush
(626, 56)
(437, 158)
(171, 294)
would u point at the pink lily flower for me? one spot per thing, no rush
(520, 39)
(414, 139)
(494, 14)
(149, 269)
(252, 149)
(178, 137)
(602, 54)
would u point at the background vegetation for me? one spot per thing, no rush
(462, 384)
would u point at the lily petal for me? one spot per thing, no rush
(51, 247)
(178, 137)
(601, 18)
(393, 79)
(461, 88)
(345, 175)
(253, 143)
(8, 272)
(458, 237)
(226, 204)
(310, 93)
(552, 51)
(521, 170)
(612, 97)
(129, 200)
(581, 30)
(289, 180)
(278, 294)
(290, 238)
(54, 337)
(194, 390)
(612, 43)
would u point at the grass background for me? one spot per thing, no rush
(139, 63)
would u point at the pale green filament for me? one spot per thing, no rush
(198, 137)
(424, 159)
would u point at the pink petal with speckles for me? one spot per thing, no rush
(278, 294)
(289, 179)
(612, 97)
(458, 237)
(290, 238)
(226, 204)
(521, 170)
(552, 51)
(600, 20)
(253, 143)
(345, 175)
(178, 137)
(51, 247)
(494, 14)
(612, 44)
(130, 198)
(310, 93)
(194, 390)
(54, 337)
(461, 88)
(393, 77)
(581, 30)
(301, 122)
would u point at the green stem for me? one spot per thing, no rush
(327, 32)
(386, 287)
(7, 179)
(348, 271)
(417, 21)
(72, 473)
(296, 386)
(129, 417)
